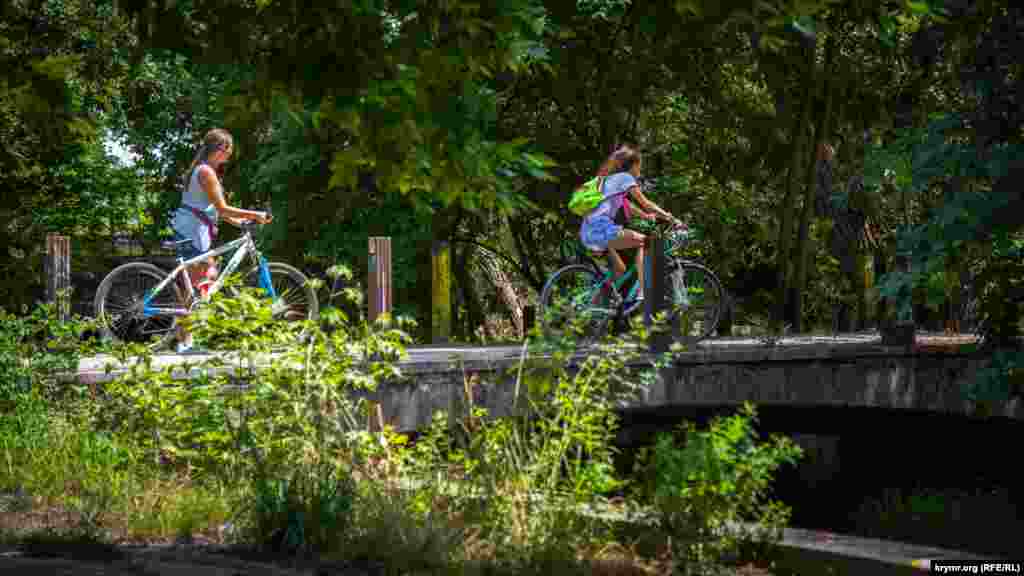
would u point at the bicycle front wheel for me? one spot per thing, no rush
(696, 295)
(294, 298)
(118, 305)
(575, 303)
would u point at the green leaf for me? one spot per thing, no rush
(920, 8)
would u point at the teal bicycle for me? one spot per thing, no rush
(586, 296)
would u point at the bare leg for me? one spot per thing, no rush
(640, 270)
(631, 239)
(196, 273)
(617, 265)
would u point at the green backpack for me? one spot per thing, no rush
(587, 196)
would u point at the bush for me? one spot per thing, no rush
(708, 489)
(36, 348)
(291, 431)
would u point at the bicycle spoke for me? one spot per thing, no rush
(697, 295)
(290, 300)
(119, 302)
(573, 301)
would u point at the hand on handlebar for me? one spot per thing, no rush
(263, 218)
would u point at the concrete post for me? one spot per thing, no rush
(379, 277)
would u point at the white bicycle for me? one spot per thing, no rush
(139, 302)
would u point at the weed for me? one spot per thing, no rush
(707, 490)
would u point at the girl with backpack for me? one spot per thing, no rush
(600, 233)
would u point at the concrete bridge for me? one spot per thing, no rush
(853, 370)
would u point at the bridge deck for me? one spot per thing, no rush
(733, 349)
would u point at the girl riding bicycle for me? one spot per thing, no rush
(202, 204)
(600, 233)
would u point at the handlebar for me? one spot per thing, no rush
(247, 225)
(657, 228)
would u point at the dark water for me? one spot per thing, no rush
(963, 473)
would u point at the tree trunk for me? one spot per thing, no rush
(797, 138)
(535, 276)
(822, 134)
(506, 294)
(474, 316)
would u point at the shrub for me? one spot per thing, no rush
(291, 430)
(708, 489)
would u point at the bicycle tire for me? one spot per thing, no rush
(569, 281)
(117, 298)
(288, 281)
(704, 326)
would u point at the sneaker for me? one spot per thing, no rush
(193, 351)
(187, 348)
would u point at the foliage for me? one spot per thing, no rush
(967, 149)
(997, 383)
(35, 349)
(521, 479)
(914, 162)
(308, 511)
(291, 430)
(718, 479)
(92, 192)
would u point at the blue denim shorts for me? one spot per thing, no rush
(597, 233)
(185, 248)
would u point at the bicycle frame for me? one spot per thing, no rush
(242, 246)
(627, 275)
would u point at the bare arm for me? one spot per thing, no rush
(208, 180)
(648, 205)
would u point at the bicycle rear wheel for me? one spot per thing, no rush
(696, 295)
(118, 305)
(576, 304)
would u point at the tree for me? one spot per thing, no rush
(59, 70)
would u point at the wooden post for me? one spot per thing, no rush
(58, 274)
(654, 293)
(440, 292)
(379, 272)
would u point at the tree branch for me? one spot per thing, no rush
(523, 272)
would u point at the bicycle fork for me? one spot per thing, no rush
(264, 279)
